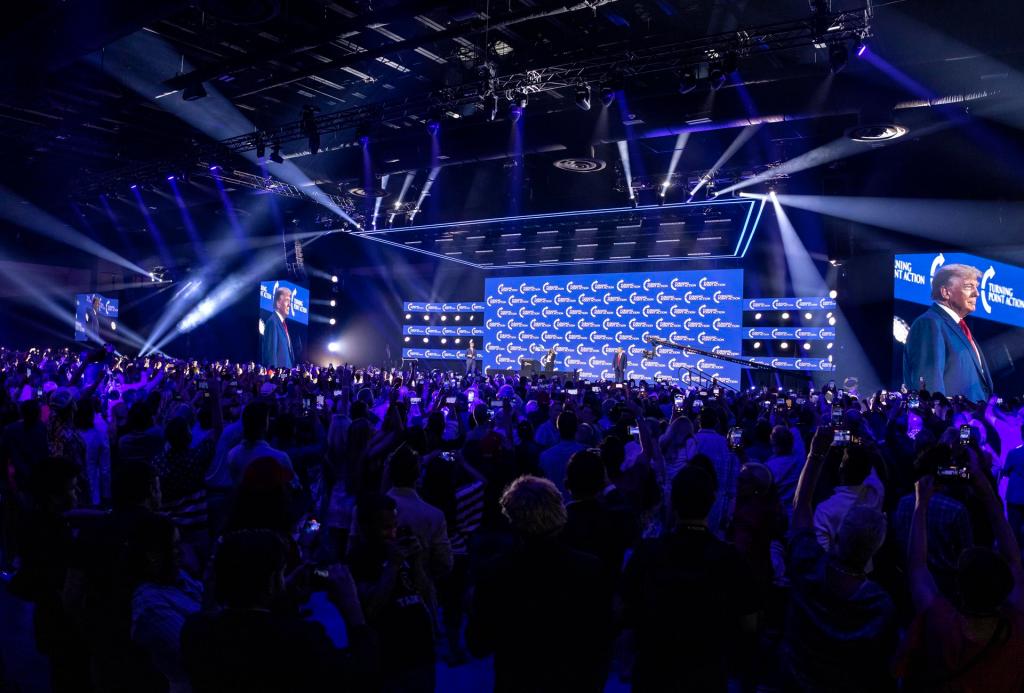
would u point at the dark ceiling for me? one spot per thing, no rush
(92, 93)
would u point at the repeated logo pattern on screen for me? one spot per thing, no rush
(1000, 287)
(588, 316)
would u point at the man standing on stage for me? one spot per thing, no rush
(470, 358)
(276, 348)
(549, 359)
(941, 351)
(619, 364)
(92, 320)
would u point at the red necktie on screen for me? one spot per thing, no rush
(970, 340)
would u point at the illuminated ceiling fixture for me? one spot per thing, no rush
(583, 97)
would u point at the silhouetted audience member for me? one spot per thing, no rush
(538, 607)
(253, 644)
(841, 630)
(687, 594)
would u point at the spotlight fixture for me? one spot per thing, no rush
(333, 303)
(261, 146)
(275, 153)
(515, 112)
(832, 294)
(408, 316)
(458, 317)
(757, 316)
(491, 106)
(807, 346)
(113, 325)
(425, 340)
(458, 341)
(687, 82)
(407, 339)
(444, 340)
(757, 345)
(434, 120)
(334, 279)
(829, 346)
(607, 96)
(331, 321)
(583, 97)
(193, 92)
(444, 318)
(828, 315)
(808, 316)
(785, 316)
(784, 345)
(716, 80)
(876, 133)
(426, 317)
(521, 99)
(832, 322)
(861, 49)
(838, 56)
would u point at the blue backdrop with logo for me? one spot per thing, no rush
(1001, 288)
(588, 315)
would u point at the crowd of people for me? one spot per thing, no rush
(169, 521)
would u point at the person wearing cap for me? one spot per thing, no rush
(842, 628)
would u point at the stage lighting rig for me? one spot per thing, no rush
(491, 106)
(607, 95)
(310, 128)
(261, 146)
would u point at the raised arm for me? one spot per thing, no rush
(922, 585)
(1005, 539)
(803, 501)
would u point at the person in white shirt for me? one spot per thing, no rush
(859, 485)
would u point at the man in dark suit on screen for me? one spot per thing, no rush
(619, 363)
(92, 320)
(941, 351)
(276, 348)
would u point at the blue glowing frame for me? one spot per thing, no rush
(750, 223)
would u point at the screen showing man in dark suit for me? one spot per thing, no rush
(284, 315)
(941, 352)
